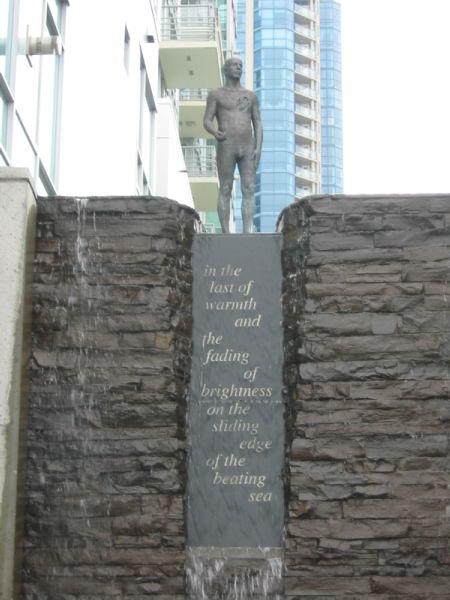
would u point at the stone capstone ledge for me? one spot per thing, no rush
(367, 332)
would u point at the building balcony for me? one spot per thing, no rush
(306, 174)
(190, 48)
(303, 11)
(305, 50)
(306, 111)
(192, 106)
(201, 168)
(305, 71)
(306, 91)
(305, 132)
(305, 153)
(196, 95)
(306, 32)
(302, 191)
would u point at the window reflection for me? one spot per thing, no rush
(4, 33)
(22, 153)
(27, 68)
(146, 134)
(3, 110)
(55, 7)
(47, 108)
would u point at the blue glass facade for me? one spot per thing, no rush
(274, 85)
(285, 55)
(331, 96)
(240, 47)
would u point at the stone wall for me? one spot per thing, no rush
(111, 340)
(368, 346)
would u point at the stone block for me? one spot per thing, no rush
(348, 529)
(318, 290)
(402, 239)
(414, 445)
(312, 586)
(327, 241)
(424, 587)
(357, 273)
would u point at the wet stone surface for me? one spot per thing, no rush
(366, 389)
(367, 304)
(106, 441)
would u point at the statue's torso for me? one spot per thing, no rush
(234, 114)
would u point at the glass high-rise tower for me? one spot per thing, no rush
(280, 40)
(273, 81)
(331, 96)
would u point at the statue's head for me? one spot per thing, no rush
(233, 67)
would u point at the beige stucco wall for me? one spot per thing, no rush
(17, 232)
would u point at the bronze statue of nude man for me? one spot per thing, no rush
(239, 139)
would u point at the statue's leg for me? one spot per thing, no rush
(226, 164)
(247, 172)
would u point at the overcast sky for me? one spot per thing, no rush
(396, 92)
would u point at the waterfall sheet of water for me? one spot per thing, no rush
(234, 573)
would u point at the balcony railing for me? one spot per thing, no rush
(306, 152)
(189, 22)
(200, 161)
(305, 111)
(305, 90)
(305, 50)
(305, 132)
(305, 173)
(302, 191)
(308, 32)
(307, 71)
(198, 95)
(305, 12)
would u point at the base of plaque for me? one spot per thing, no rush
(234, 573)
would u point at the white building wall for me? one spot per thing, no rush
(101, 105)
(174, 182)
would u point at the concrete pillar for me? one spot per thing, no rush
(17, 233)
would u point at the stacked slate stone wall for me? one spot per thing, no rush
(367, 301)
(367, 346)
(106, 442)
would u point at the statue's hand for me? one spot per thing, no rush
(220, 136)
(256, 156)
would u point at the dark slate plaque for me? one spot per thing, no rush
(235, 409)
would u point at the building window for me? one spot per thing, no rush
(5, 34)
(56, 10)
(23, 151)
(30, 84)
(49, 101)
(146, 140)
(26, 86)
(3, 118)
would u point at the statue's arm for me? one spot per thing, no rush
(210, 115)
(257, 129)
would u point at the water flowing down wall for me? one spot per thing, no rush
(111, 340)
(365, 301)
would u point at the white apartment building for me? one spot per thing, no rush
(307, 97)
(90, 100)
